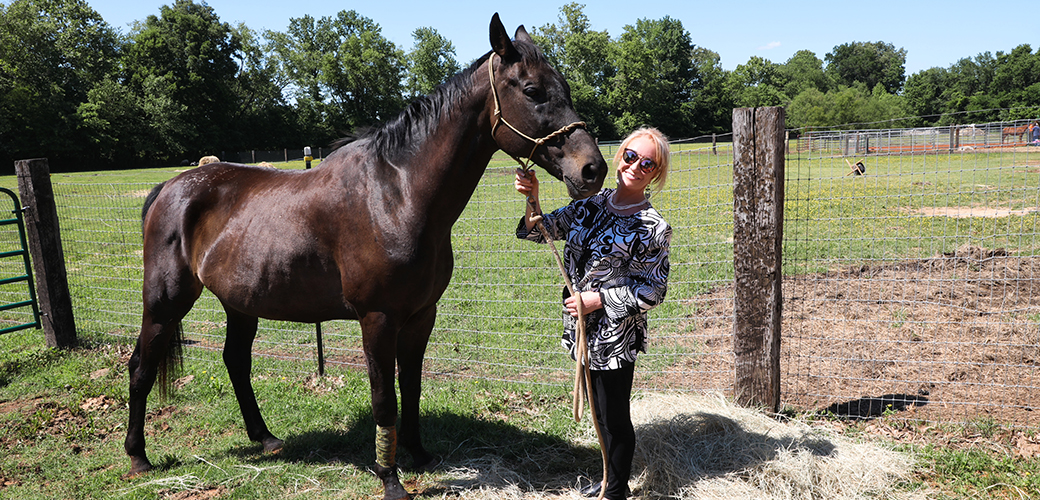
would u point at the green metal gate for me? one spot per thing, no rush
(23, 252)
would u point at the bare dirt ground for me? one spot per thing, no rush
(951, 338)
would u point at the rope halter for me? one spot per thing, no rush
(498, 119)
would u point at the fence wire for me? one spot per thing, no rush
(908, 289)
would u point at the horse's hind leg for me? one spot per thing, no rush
(160, 329)
(238, 358)
(143, 369)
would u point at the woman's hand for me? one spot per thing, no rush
(590, 301)
(526, 183)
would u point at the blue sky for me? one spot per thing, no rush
(934, 34)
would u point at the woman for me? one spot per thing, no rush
(616, 256)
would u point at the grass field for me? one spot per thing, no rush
(497, 384)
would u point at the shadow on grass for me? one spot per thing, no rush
(673, 453)
(474, 452)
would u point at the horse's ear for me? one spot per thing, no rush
(500, 41)
(521, 34)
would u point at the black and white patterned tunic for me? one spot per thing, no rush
(625, 258)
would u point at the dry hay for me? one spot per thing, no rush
(208, 159)
(706, 447)
(701, 447)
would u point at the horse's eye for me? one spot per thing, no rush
(533, 92)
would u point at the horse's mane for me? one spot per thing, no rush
(404, 133)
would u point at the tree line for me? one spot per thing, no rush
(182, 83)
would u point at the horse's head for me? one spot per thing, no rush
(537, 119)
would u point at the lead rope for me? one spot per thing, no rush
(582, 373)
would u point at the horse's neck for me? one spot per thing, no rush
(452, 159)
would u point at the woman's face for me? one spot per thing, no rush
(631, 176)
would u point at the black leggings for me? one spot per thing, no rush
(612, 392)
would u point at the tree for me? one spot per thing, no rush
(970, 76)
(804, 71)
(258, 89)
(923, 93)
(1015, 73)
(430, 63)
(188, 56)
(113, 119)
(869, 63)
(759, 82)
(582, 55)
(854, 106)
(52, 52)
(297, 57)
(710, 107)
(344, 74)
(654, 77)
(364, 75)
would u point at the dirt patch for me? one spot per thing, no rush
(194, 494)
(951, 338)
(43, 417)
(965, 212)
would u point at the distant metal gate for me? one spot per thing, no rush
(23, 252)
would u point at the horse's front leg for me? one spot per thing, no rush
(411, 348)
(379, 338)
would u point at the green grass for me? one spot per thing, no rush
(64, 420)
(975, 473)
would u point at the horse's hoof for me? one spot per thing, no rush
(392, 489)
(138, 466)
(398, 494)
(273, 445)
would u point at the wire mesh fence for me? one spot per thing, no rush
(909, 288)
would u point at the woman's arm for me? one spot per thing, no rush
(648, 273)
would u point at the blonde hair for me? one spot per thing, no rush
(661, 155)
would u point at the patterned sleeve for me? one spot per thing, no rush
(557, 222)
(648, 276)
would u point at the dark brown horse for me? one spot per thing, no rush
(366, 236)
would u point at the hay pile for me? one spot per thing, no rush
(704, 447)
(701, 447)
(206, 160)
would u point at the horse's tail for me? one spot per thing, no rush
(169, 365)
(151, 199)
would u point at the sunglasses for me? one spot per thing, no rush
(645, 164)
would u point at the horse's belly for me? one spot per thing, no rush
(284, 289)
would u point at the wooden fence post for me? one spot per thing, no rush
(48, 258)
(758, 213)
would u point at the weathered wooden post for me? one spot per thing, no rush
(48, 258)
(758, 214)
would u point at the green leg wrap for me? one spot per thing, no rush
(386, 446)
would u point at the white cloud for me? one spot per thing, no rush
(769, 46)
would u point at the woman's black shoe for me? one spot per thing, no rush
(591, 489)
